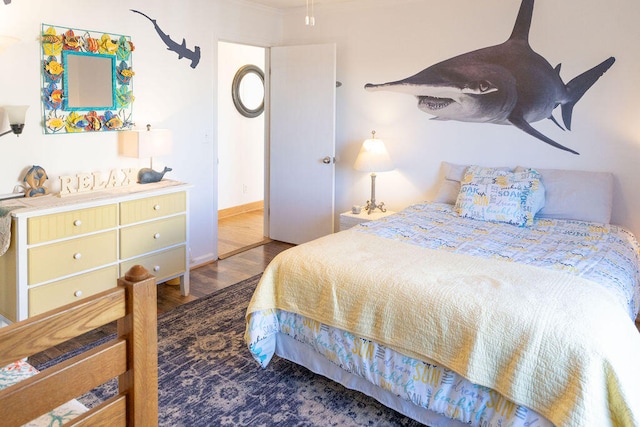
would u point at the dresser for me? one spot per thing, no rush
(68, 248)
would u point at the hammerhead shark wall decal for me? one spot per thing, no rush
(504, 84)
(180, 49)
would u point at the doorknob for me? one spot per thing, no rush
(326, 160)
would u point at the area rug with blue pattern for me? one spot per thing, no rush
(207, 376)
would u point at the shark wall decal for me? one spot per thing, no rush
(180, 49)
(504, 84)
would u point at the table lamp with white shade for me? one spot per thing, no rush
(373, 157)
(146, 144)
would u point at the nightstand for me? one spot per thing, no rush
(349, 219)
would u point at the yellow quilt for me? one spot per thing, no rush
(550, 341)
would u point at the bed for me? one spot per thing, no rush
(508, 301)
(29, 397)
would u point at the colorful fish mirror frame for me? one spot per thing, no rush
(86, 80)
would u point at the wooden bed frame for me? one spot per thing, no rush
(131, 357)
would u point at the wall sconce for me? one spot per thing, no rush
(146, 143)
(373, 157)
(16, 115)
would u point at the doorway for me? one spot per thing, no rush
(241, 153)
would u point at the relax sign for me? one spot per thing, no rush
(84, 182)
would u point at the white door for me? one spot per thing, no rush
(302, 142)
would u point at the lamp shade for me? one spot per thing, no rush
(373, 157)
(145, 143)
(16, 113)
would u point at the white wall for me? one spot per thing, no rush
(376, 42)
(169, 93)
(240, 139)
(379, 41)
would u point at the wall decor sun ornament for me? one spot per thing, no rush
(86, 80)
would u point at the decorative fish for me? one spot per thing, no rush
(124, 96)
(504, 84)
(94, 121)
(75, 122)
(111, 121)
(107, 46)
(125, 47)
(53, 122)
(52, 42)
(124, 73)
(91, 44)
(180, 49)
(52, 69)
(71, 41)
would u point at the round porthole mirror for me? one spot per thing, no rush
(247, 91)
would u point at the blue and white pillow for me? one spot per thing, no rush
(491, 194)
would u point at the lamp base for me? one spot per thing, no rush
(371, 206)
(371, 203)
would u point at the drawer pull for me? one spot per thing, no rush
(156, 207)
(156, 236)
(77, 294)
(77, 223)
(77, 255)
(156, 268)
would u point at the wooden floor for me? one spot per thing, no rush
(239, 232)
(220, 274)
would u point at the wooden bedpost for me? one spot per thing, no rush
(140, 326)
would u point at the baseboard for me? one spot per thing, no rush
(244, 248)
(201, 261)
(236, 210)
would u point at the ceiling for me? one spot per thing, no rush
(288, 4)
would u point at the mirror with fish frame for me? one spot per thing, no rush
(86, 80)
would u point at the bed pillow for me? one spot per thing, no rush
(491, 194)
(579, 195)
(450, 185)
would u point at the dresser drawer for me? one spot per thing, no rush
(57, 294)
(165, 264)
(152, 207)
(69, 224)
(71, 256)
(151, 236)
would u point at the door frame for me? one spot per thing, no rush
(265, 118)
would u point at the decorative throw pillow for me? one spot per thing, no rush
(490, 194)
(450, 185)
